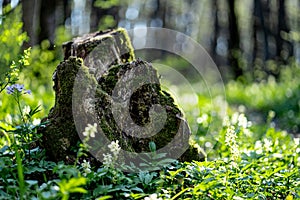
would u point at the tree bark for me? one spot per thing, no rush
(234, 41)
(60, 135)
(30, 18)
(282, 46)
(214, 42)
(85, 93)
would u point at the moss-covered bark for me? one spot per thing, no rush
(60, 133)
(92, 54)
(129, 103)
(137, 98)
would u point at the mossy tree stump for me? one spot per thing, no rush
(125, 108)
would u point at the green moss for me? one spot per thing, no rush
(140, 103)
(60, 133)
(126, 42)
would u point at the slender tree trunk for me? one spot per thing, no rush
(234, 40)
(30, 18)
(264, 28)
(254, 34)
(47, 21)
(283, 46)
(216, 29)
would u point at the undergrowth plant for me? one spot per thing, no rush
(244, 159)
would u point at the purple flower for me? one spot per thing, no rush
(10, 89)
(27, 92)
(17, 87)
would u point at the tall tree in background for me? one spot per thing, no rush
(284, 48)
(42, 17)
(216, 32)
(260, 32)
(234, 40)
(47, 20)
(30, 17)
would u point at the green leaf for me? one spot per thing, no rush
(152, 146)
(105, 197)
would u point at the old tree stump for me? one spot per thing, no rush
(100, 82)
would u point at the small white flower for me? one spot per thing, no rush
(247, 132)
(90, 130)
(230, 141)
(259, 151)
(8, 119)
(55, 187)
(297, 141)
(107, 160)
(85, 164)
(242, 121)
(233, 165)
(226, 121)
(235, 153)
(86, 167)
(26, 110)
(230, 135)
(152, 197)
(203, 119)
(114, 147)
(36, 122)
(258, 144)
(268, 144)
(234, 118)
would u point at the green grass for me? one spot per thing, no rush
(252, 161)
(254, 158)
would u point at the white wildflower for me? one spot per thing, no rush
(226, 121)
(230, 141)
(152, 197)
(259, 151)
(271, 114)
(242, 108)
(26, 110)
(235, 118)
(90, 130)
(203, 120)
(242, 121)
(8, 119)
(36, 121)
(233, 165)
(297, 141)
(247, 132)
(107, 160)
(268, 144)
(86, 167)
(258, 144)
(114, 147)
(110, 158)
(55, 188)
(230, 135)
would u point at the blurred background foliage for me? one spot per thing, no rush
(255, 45)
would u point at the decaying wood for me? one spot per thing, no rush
(104, 59)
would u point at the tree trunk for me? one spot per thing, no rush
(60, 135)
(234, 41)
(97, 83)
(214, 42)
(284, 49)
(30, 18)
